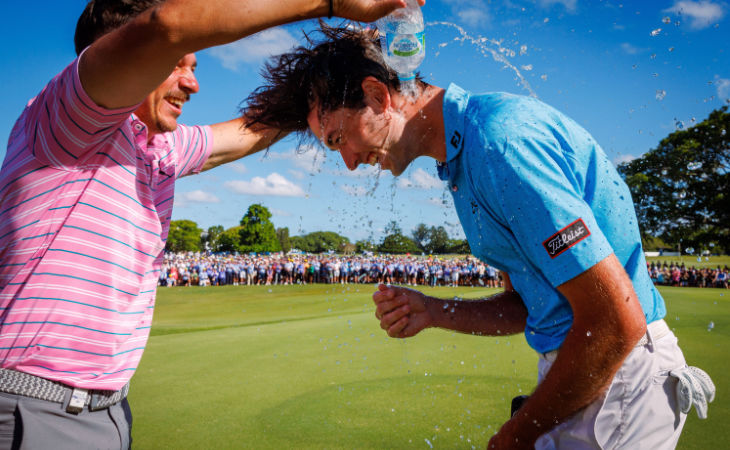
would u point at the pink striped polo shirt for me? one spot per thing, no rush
(85, 210)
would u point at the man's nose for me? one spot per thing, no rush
(189, 83)
(350, 158)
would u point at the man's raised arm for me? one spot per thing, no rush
(122, 67)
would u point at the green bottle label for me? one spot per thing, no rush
(405, 45)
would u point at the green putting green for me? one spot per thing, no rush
(309, 367)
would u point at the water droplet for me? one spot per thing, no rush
(660, 94)
(679, 124)
(690, 250)
(588, 333)
(710, 326)
(430, 445)
(664, 172)
(656, 32)
(694, 165)
(666, 20)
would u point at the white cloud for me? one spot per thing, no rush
(630, 49)
(570, 5)
(310, 160)
(273, 185)
(473, 16)
(238, 167)
(471, 12)
(355, 191)
(280, 212)
(254, 48)
(723, 88)
(185, 198)
(420, 179)
(362, 171)
(623, 159)
(702, 14)
(443, 202)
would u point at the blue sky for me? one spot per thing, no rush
(630, 73)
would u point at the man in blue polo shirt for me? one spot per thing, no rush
(538, 200)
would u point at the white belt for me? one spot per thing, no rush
(657, 330)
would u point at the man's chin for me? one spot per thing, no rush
(167, 126)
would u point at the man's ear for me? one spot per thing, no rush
(375, 94)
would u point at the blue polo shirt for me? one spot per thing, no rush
(539, 199)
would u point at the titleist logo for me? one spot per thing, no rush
(566, 238)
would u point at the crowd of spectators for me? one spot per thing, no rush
(200, 269)
(677, 274)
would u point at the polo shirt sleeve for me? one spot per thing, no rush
(192, 146)
(540, 200)
(63, 124)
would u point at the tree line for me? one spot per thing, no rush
(681, 188)
(681, 192)
(256, 233)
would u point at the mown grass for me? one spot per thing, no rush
(309, 367)
(689, 261)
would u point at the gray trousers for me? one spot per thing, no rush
(28, 423)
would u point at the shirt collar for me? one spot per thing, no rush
(456, 100)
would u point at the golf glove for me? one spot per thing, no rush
(694, 388)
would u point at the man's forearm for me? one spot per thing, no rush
(232, 141)
(199, 24)
(501, 314)
(607, 323)
(583, 369)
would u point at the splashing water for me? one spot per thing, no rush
(694, 165)
(486, 46)
(409, 88)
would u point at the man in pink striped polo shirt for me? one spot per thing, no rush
(87, 188)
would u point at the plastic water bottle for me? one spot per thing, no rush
(402, 40)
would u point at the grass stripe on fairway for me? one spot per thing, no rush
(309, 367)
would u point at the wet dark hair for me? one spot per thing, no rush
(102, 16)
(328, 70)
